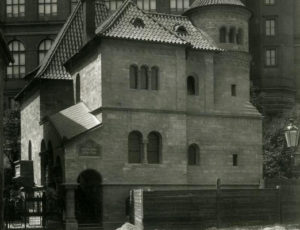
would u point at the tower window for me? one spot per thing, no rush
(154, 78)
(133, 77)
(233, 90)
(271, 56)
(240, 37)
(47, 7)
(144, 77)
(16, 69)
(270, 27)
(179, 5)
(149, 5)
(191, 86)
(223, 33)
(15, 8)
(232, 35)
(193, 155)
(235, 160)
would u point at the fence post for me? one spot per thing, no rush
(278, 187)
(218, 195)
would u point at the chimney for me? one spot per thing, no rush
(89, 26)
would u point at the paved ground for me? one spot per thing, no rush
(274, 227)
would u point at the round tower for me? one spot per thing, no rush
(226, 21)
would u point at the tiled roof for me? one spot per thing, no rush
(68, 42)
(121, 25)
(73, 121)
(198, 3)
(197, 38)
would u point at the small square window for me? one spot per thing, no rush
(235, 160)
(233, 90)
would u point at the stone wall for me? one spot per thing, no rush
(31, 131)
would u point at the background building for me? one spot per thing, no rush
(274, 45)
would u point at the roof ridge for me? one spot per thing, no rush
(57, 42)
(168, 15)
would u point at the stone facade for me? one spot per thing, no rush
(218, 118)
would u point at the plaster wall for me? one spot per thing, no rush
(32, 131)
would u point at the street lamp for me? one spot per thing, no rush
(291, 133)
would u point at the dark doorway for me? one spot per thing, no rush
(88, 198)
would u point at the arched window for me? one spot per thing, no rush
(154, 78)
(191, 86)
(223, 33)
(193, 155)
(78, 88)
(29, 151)
(232, 35)
(144, 77)
(44, 46)
(135, 147)
(133, 75)
(16, 69)
(154, 148)
(240, 37)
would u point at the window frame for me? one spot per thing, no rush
(115, 3)
(140, 146)
(235, 160)
(21, 4)
(233, 90)
(19, 55)
(270, 65)
(142, 3)
(53, 4)
(223, 34)
(270, 19)
(158, 150)
(195, 86)
(43, 52)
(196, 160)
(174, 7)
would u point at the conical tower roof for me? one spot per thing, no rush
(199, 3)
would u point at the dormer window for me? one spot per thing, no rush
(138, 22)
(180, 29)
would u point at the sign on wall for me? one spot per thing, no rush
(89, 149)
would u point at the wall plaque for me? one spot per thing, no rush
(89, 149)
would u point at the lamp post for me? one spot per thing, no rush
(291, 134)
